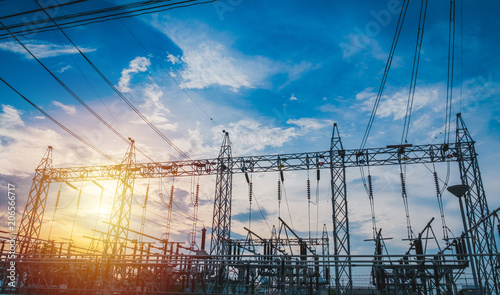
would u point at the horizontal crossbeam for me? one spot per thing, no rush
(390, 155)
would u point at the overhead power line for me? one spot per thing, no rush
(60, 124)
(388, 64)
(116, 90)
(37, 10)
(171, 77)
(137, 8)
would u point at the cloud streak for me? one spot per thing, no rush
(68, 109)
(41, 49)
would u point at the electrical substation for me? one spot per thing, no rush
(120, 254)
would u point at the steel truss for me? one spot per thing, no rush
(337, 159)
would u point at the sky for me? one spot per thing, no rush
(276, 75)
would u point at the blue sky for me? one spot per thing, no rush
(276, 75)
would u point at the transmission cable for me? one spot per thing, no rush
(98, 19)
(68, 89)
(117, 91)
(60, 124)
(414, 72)
(449, 82)
(395, 40)
(37, 10)
(168, 74)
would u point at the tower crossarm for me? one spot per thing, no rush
(390, 155)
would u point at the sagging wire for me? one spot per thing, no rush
(449, 82)
(286, 198)
(372, 203)
(76, 212)
(55, 209)
(414, 73)
(144, 211)
(439, 196)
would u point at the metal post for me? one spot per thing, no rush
(482, 239)
(343, 271)
(31, 222)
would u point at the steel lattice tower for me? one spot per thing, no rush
(116, 239)
(221, 222)
(31, 222)
(483, 241)
(341, 241)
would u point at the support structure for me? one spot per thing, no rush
(122, 205)
(483, 241)
(31, 222)
(221, 222)
(341, 241)
(279, 265)
(325, 251)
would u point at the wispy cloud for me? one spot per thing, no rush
(209, 59)
(209, 65)
(68, 109)
(138, 64)
(309, 124)
(41, 49)
(394, 104)
(249, 135)
(64, 69)
(157, 111)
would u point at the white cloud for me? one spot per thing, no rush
(157, 112)
(249, 135)
(10, 117)
(68, 109)
(359, 42)
(209, 65)
(17, 155)
(173, 59)
(395, 104)
(64, 69)
(138, 64)
(41, 49)
(309, 124)
(292, 98)
(209, 60)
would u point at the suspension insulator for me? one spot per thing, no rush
(317, 175)
(279, 191)
(436, 183)
(309, 190)
(370, 187)
(79, 197)
(247, 178)
(403, 185)
(282, 176)
(197, 193)
(250, 192)
(58, 196)
(171, 194)
(147, 195)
